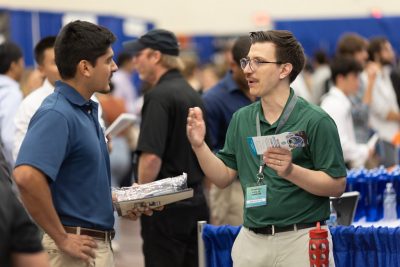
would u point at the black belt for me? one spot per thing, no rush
(272, 229)
(97, 234)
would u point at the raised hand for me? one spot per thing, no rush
(195, 128)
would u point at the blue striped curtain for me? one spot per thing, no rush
(352, 246)
(324, 33)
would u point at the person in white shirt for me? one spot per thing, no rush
(345, 77)
(355, 46)
(122, 81)
(11, 69)
(385, 111)
(44, 56)
(320, 77)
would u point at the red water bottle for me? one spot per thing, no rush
(319, 247)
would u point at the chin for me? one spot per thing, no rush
(104, 90)
(254, 92)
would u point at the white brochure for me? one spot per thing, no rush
(288, 140)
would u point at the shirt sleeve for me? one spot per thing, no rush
(46, 143)
(354, 152)
(154, 125)
(379, 105)
(18, 232)
(325, 148)
(9, 107)
(24, 233)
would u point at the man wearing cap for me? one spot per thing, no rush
(170, 237)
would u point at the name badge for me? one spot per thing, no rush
(256, 196)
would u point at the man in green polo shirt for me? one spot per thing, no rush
(286, 192)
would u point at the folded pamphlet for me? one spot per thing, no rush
(288, 140)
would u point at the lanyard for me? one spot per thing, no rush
(281, 123)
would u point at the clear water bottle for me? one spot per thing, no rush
(332, 221)
(389, 203)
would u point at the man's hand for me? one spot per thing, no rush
(78, 246)
(137, 212)
(195, 128)
(280, 160)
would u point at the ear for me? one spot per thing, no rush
(13, 65)
(232, 64)
(286, 69)
(156, 55)
(41, 69)
(84, 68)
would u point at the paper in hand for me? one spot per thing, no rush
(289, 140)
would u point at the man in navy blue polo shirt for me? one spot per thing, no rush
(63, 169)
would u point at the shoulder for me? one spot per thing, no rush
(172, 88)
(216, 93)
(249, 111)
(10, 93)
(310, 112)
(54, 104)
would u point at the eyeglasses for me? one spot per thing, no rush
(255, 63)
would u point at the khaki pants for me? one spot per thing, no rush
(104, 255)
(279, 250)
(226, 205)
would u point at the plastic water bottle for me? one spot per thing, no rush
(333, 216)
(389, 203)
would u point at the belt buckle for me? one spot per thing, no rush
(273, 229)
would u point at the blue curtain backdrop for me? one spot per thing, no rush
(366, 246)
(352, 246)
(49, 23)
(313, 34)
(324, 33)
(21, 33)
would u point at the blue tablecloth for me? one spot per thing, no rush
(352, 246)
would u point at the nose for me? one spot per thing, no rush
(114, 67)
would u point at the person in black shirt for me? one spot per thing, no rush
(169, 237)
(19, 243)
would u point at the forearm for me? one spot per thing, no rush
(149, 167)
(214, 169)
(316, 182)
(36, 196)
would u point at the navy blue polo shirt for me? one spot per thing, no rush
(65, 142)
(220, 102)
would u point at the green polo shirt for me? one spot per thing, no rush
(286, 202)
